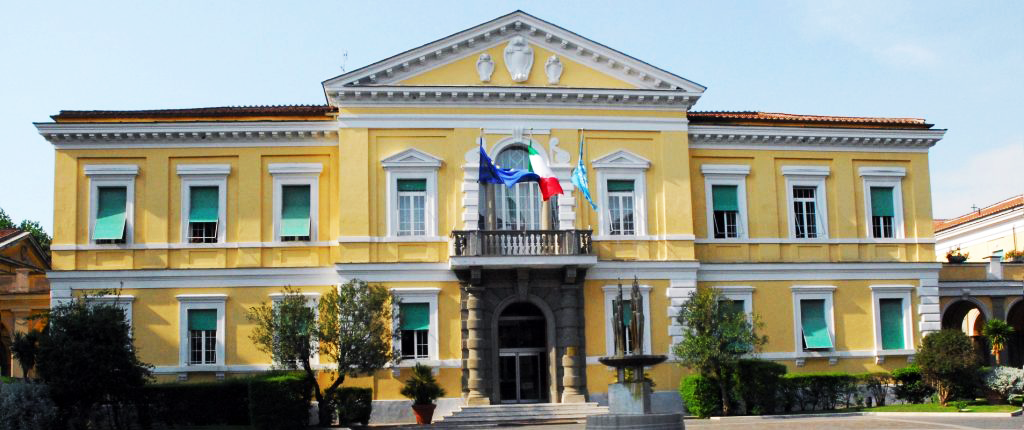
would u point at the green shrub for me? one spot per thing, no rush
(756, 383)
(876, 384)
(26, 406)
(1005, 380)
(701, 396)
(196, 403)
(421, 387)
(948, 363)
(910, 386)
(279, 401)
(822, 391)
(354, 405)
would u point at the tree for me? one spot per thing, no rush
(352, 330)
(88, 359)
(715, 337)
(998, 333)
(33, 227)
(947, 361)
(25, 348)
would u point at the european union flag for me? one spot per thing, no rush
(491, 174)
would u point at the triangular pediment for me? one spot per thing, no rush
(452, 61)
(21, 250)
(621, 159)
(411, 157)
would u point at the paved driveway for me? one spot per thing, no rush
(831, 423)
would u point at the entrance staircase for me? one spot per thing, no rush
(495, 415)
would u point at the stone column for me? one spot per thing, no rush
(569, 341)
(476, 345)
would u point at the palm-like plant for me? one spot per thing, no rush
(997, 332)
(422, 388)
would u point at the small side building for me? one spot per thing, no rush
(24, 291)
(997, 227)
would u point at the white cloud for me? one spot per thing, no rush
(981, 179)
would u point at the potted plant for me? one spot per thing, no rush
(956, 257)
(422, 388)
(1014, 256)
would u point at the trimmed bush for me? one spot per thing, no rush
(910, 386)
(701, 396)
(757, 384)
(822, 391)
(949, 364)
(279, 401)
(26, 407)
(354, 405)
(876, 384)
(1005, 381)
(196, 403)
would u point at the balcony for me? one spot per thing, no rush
(521, 248)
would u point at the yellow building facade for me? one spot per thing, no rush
(820, 225)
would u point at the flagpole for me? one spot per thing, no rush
(491, 219)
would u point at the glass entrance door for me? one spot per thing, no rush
(521, 375)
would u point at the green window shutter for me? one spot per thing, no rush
(412, 185)
(295, 210)
(202, 319)
(627, 312)
(812, 319)
(203, 204)
(415, 316)
(881, 201)
(110, 213)
(891, 315)
(620, 185)
(724, 197)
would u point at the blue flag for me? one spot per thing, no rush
(579, 177)
(491, 174)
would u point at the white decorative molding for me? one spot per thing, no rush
(808, 176)
(730, 175)
(193, 278)
(112, 175)
(513, 97)
(426, 295)
(485, 67)
(188, 302)
(725, 169)
(814, 292)
(553, 68)
(621, 159)
(821, 241)
(204, 169)
(411, 157)
(412, 164)
(814, 171)
(746, 272)
(295, 168)
(105, 170)
(884, 177)
(510, 122)
(518, 59)
(223, 245)
(812, 139)
(889, 172)
(198, 175)
(391, 272)
(189, 134)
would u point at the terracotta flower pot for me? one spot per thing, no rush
(424, 413)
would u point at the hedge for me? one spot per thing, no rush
(822, 391)
(756, 384)
(702, 396)
(910, 386)
(196, 403)
(279, 401)
(354, 405)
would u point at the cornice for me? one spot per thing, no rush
(742, 137)
(516, 97)
(106, 135)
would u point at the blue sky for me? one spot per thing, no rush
(958, 64)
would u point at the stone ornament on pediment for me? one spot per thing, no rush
(518, 59)
(553, 68)
(485, 67)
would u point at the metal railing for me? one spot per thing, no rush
(497, 243)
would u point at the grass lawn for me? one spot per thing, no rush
(935, 407)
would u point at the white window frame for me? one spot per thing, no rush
(611, 292)
(622, 165)
(808, 176)
(426, 295)
(204, 175)
(312, 300)
(297, 174)
(622, 196)
(902, 292)
(813, 292)
(187, 302)
(112, 175)
(122, 301)
(412, 164)
(740, 292)
(730, 175)
(884, 177)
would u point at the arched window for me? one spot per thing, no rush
(518, 208)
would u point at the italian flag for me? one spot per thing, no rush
(549, 185)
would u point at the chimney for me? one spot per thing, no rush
(995, 266)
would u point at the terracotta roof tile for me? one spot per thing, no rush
(221, 111)
(787, 119)
(1010, 203)
(8, 232)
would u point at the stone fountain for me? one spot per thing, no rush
(629, 398)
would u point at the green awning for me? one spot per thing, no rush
(815, 328)
(203, 204)
(295, 210)
(620, 185)
(110, 213)
(412, 185)
(724, 197)
(415, 316)
(881, 201)
(891, 315)
(202, 319)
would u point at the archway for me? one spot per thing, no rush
(1015, 350)
(524, 357)
(969, 317)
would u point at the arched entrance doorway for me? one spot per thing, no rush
(523, 354)
(968, 316)
(1015, 350)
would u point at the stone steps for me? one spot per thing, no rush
(522, 413)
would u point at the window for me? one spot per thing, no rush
(295, 219)
(296, 200)
(883, 206)
(311, 304)
(814, 326)
(891, 316)
(415, 326)
(122, 301)
(203, 214)
(805, 187)
(725, 196)
(202, 336)
(111, 202)
(203, 201)
(621, 208)
(518, 208)
(894, 327)
(611, 293)
(412, 197)
(742, 297)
